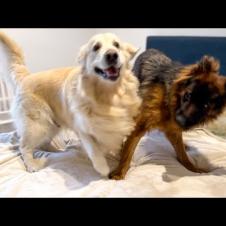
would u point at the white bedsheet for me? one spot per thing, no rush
(155, 172)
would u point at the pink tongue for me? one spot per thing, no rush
(111, 70)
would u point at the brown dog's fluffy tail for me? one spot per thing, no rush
(12, 66)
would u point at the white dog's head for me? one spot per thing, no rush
(105, 55)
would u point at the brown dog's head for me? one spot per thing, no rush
(200, 93)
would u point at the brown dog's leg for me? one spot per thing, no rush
(127, 152)
(176, 140)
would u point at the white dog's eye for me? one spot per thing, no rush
(96, 47)
(116, 44)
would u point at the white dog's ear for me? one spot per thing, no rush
(132, 50)
(82, 54)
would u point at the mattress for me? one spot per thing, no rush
(154, 171)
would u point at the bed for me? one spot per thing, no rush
(154, 172)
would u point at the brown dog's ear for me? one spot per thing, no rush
(207, 65)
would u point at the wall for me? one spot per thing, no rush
(49, 48)
(189, 32)
(138, 36)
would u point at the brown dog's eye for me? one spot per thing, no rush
(116, 44)
(206, 105)
(96, 47)
(187, 97)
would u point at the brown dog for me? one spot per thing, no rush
(175, 98)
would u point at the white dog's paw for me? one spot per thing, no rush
(34, 165)
(102, 167)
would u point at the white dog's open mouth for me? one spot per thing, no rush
(111, 73)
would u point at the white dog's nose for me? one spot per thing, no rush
(111, 57)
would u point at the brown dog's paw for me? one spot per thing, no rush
(189, 166)
(116, 175)
(195, 169)
(202, 171)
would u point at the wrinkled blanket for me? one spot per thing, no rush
(154, 172)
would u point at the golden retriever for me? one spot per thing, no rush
(98, 99)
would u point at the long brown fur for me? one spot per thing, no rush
(160, 104)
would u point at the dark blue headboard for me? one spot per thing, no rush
(188, 50)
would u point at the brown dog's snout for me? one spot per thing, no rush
(111, 57)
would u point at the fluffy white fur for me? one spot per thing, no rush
(99, 111)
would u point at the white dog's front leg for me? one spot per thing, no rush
(97, 157)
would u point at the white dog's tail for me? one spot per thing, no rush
(12, 67)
